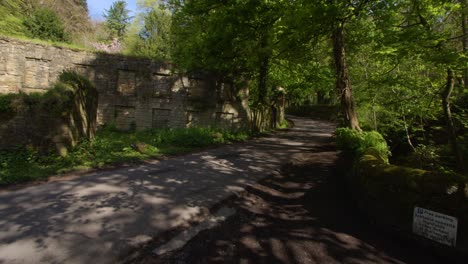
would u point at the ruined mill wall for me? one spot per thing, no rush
(133, 92)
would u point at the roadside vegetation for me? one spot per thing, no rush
(110, 147)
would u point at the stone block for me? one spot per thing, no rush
(124, 117)
(162, 86)
(224, 120)
(161, 118)
(36, 74)
(126, 83)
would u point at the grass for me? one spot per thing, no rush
(59, 44)
(110, 147)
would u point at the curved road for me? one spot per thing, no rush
(294, 214)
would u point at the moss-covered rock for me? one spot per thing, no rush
(390, 193)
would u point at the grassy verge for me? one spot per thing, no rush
(110, 147)
(59, 44)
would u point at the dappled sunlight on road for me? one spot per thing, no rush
(302, 214)
(100, 217)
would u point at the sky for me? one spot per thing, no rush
(96, 7)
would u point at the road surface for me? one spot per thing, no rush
(100, 217)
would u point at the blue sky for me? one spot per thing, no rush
(96, 7)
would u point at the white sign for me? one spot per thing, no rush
(436, 226)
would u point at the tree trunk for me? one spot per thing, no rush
(263, 79)
(263, 70)
(343, 83)
(448, 119)
(464, 14)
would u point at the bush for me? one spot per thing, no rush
(45, 24)
(53, 102)
(7, 103)
(357, 142)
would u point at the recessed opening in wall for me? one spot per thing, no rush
(224, 120)
(124, 117)
(162, 86)
(36, 73)
(197, 89)
(161, 118)
(126, 83)
(224, 92)
(192, 118)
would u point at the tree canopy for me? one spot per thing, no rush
(117, 19)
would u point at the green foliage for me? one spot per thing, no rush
(359, 142)
(111, 146)
(117, 19)
(45, 24)
(425, 157)
(72, 14)
(12, 15)
(154, 39)
(54, 102)
(77, 81)
(232, 39)
(284, 124)
(7, 103)
(58, 99)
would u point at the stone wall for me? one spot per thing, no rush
(134, 93)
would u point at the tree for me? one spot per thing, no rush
(404, 57)
(343, 12)
(150, 33)
(45, 24)
(117, 19)
(315, 19)
(232, 38)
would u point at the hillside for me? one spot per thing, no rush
(73, 14)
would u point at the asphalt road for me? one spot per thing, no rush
(300, 214)
(101, 217)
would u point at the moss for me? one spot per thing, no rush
(358, 143)
(390, 193)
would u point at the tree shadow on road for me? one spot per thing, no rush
(301, 214)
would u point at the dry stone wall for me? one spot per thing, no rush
(133, 93)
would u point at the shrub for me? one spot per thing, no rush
(7, 103)
(45, 24)
(348, 139)
(357, 142)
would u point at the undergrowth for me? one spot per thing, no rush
(110, 147)
(357, 142)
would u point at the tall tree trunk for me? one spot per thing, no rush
(263, 80)
(263, 73)
(448, 119)
(343, 83)
(464, 15)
